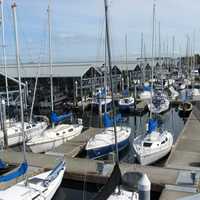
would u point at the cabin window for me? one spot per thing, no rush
(166, 139)
(147, 144)
(64, 132)
(33, 125)
(71, 129)
(28, 127)
(57, 134)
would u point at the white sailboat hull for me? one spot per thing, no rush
(54, 137)
(15, 136)
(34, 190)
(149, 155)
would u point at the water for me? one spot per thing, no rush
(170, 120)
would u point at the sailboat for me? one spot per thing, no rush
(13, 128)
(42, 186)
(127, 101)
(159, 104)
(58, 134)
(146, 93)
(114, 183)
(174, 94)
(152, 145)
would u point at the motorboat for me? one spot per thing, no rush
(126, 102)
(159, 104)
(41, 186)
(104, 143)
(54, 137)
(14, 132)
(153, 145)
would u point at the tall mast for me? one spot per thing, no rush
(152, 52)
(105, 73)
(111, 82)
(19, 74)
(4, 51)
(126, 50)
(141, 55)
(50, 56)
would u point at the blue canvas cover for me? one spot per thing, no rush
(54, 173)
(56, 119)
(108, 122)
(147, 88)
(125, 92)
(3, 165)
(152, 125)
(14, 174)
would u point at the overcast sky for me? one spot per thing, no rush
(78, 27)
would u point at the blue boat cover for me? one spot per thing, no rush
(108, 122)
(14, 174)
(147, 88)
(3, 165)
(125, 92)
(54, 173)
(152, 125)
(55, 118)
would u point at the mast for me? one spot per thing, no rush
(141, 56)
(111, 82)
(50, 56)
(19, 74)
(126, 50)
(4, 51)
(152, 52)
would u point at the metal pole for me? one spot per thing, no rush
(3, 123)
(111, 81)
(50, 57)
(152, 60)
(4, 51)
(19, 74)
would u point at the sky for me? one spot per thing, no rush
(78, 28)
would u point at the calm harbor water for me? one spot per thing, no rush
(170, 120)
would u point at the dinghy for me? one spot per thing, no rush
(153, 145)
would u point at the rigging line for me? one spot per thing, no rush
(42, 49)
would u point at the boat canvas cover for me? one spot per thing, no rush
(147, 88)
(108, 122)
(110, 186)
(14, 174)
(56, 119)
(152, 125)
(125, 93)
(3, 165)
(54, 173)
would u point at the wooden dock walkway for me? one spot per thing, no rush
(185, 157)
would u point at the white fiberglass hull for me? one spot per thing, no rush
(124, 195)
(34, 190)
(54, 137)
(15, 136)
(104, 143)
(146, 95)
(147, 156)
(162, 108)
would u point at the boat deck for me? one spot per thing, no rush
(73, 147)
